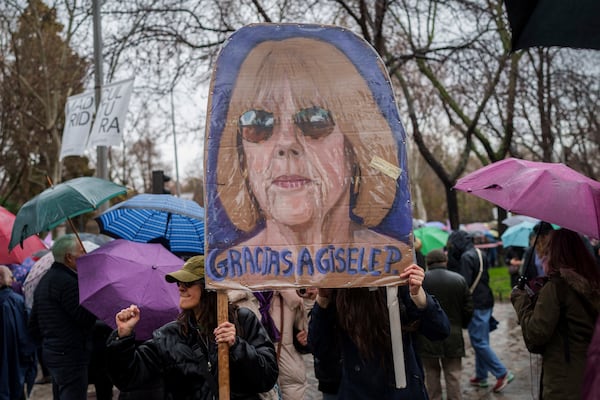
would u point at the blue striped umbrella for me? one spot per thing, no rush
(160, 218)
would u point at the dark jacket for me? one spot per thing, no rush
(451, 290)
(64, 326)
(591, 378)
(181, 361)
(328, 370)
(566, 310)
(17, 349)
(463, 258)
(370, 379)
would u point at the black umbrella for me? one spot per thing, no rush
(544, 23)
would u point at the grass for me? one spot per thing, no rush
(500, 283)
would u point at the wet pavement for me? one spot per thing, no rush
(506, 341)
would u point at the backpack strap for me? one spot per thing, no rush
(476, 281)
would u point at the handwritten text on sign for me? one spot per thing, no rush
(79, 111)
(110, 117)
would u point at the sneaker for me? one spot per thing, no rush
(482, 383)
(503, 381)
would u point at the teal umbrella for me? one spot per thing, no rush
(59, 203)
(432, 238)
(517, 235)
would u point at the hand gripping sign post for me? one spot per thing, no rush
(305, 166)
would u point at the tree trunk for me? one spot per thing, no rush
(452, 202)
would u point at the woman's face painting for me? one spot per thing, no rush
(295, 158)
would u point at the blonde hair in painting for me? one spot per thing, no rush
(313, 68)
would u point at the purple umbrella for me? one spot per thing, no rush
(551, 192)
(20, 272)
(122, 273)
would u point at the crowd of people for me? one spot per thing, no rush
(346, 330)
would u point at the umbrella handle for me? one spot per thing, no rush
(68, 219)
(530, 259)
(76, 234)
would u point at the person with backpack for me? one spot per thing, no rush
(468, 261)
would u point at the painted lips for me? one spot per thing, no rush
(291, 181)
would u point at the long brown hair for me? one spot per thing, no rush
(566, 250)
(208, 314)
(363, 316)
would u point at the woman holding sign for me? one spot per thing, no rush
(356, 324)
(183, 354)
(308, 170)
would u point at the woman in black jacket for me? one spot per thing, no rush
(183, 354)
(354, 325)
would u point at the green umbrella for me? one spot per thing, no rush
(432, 238)
(60, 202)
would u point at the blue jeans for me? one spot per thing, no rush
(485, 358)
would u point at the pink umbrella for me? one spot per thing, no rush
(121, 273)
(18, 254)
(551, 192)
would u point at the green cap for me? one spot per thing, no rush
(192, 270)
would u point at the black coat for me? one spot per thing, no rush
(187, 370)
(57, 319)
(463, 258)
(451, 290)
(371, 379)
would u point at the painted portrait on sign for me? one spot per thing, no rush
(306, 181)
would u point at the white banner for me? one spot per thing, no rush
(110, 117)
(79, 111)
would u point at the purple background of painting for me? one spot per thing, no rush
(221, 232)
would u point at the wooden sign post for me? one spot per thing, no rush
(223, 350)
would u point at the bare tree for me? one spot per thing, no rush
(40, 70)
(466, 99)
(459, 85)
(558, 108)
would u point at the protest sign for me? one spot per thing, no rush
(109, 122)
(305, 171)
(79, 112)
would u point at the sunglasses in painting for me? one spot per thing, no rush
(256, 126)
